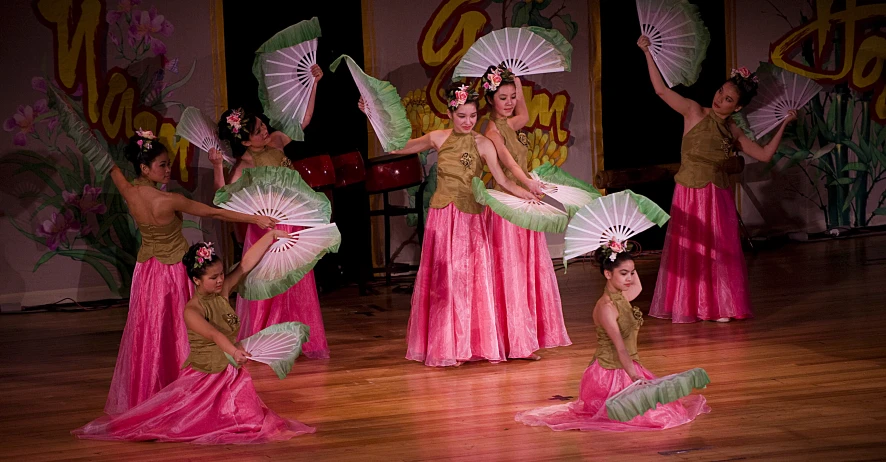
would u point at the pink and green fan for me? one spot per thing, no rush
(382, 105)
(283, 68)
(569, 191)
(523, 50)
(275, 192)
(643, 395)
(618, 216)
(277, 346)
(678, 38)
(534, 215)
(779, 91)
(201, 132)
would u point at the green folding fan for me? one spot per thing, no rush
(564, 188)
(277, 346)
(283, 68)
(642, 395)
(534, 215)
(382, 106)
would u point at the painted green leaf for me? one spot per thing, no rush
(45, 258)
(841, 181)
(536, 19)
(855, 167)
(880, 211)
(571, 26)
(180, 83)
(848, 123)
(822, 151)
(520, 14)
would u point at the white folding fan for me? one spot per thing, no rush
(523, 50)
(278, 193)
(201, 132)
(288, 260)
(564, 188)
(779, 91)
(534, 215)
(679, 39)
(382, 106)
(277, 346)
(283, 68)
(618, 217)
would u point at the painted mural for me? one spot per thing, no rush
(112, 65)
(840, 141)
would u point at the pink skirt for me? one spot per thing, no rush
(527, 298)
(155, 339)
(453, 315)
(589, 412)
(199, 408)
(703, 275)
(299, 303)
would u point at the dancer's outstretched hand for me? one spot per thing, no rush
(317, 72)
(361, 105)
(792, 116)
(215, 157)
(241, 356)
(643, 42)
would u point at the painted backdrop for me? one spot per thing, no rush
(123, 65)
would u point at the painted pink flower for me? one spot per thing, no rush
(146, 25)
(56, 228)
(170, 65)
(86, 230)
(124, 7)
(114, 39)
(52, 122)
(87, 202)
(23, 120)
(39, 84)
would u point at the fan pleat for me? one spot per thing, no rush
(524, 51)
(779, 92)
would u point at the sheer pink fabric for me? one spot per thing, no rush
(155, 340)
(199, 408)
(589, 412)
(453, 316)
(703, 275)
(527, 298)
(299, 303)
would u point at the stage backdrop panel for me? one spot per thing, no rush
(840, 45)
(123, 65)
(416, 45)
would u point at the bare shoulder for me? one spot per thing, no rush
(438, 137)
(194, 306)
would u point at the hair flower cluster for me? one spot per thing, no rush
(204, 255)
(145, 142)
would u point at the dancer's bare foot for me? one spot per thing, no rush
(723, 320)
(532, 357)
(458, 364)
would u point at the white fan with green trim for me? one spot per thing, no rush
(523, 50)
(564, 188)
(278, 346)
(617, 217)
(278, 193)
(288, 260)
(678, 38)
(283, 68)
(382, 106)
(779, 92)
(201, 132)
(534, 215)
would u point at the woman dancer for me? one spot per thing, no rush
(527, 299)
(154, 342)
(212, 402)
(254, 147)
(703, 274)
(453, 313)
(616, 363)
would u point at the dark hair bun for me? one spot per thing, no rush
(747, 89)
(195, 268)
(603, 260)
(138, 155)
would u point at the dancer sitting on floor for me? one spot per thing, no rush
(212, 402)
(616, 363)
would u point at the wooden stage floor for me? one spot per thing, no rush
(804, 380)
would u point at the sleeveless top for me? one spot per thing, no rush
(166, 242)
(518, 146)
(704, 151)
(205, 355)
(629, 321)
(458, 162)
(270, 157)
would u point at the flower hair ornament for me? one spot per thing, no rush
(204, 255)
(144, 144)
(612, 248)
(235, 122)
(460, 96)
(745, 74)
(493, 80)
